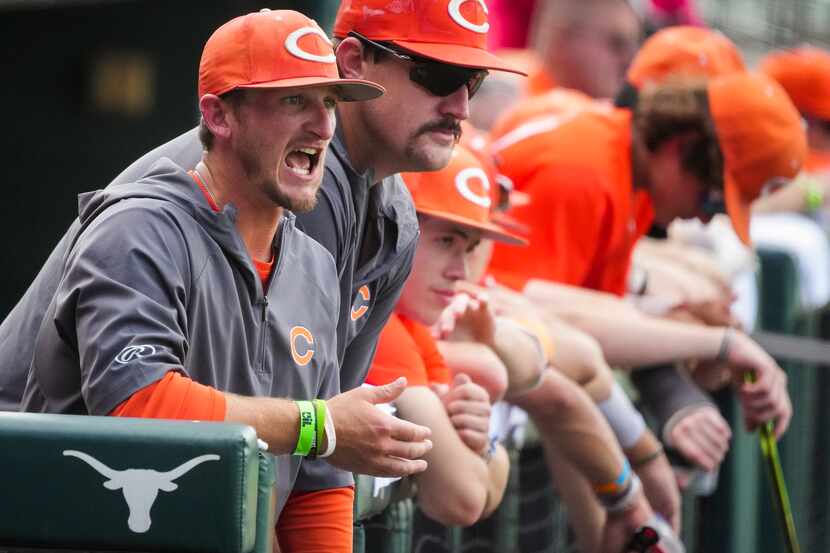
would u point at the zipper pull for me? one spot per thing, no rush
(264, 307)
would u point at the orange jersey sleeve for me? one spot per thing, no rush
(317, 522)
(397, 355)
(175, 397)
(406, 348)
(434, 363)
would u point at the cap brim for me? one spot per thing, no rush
(738, 209)
(510, 224)
(488, 230)
(349, 90)
(456, 54)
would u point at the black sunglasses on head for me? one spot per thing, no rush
(440, 79)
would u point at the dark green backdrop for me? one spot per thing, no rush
(54, 143)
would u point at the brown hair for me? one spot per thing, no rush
(234, 98)
(681, 107)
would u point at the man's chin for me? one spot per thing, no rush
(431, 158)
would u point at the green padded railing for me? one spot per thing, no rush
(101, 483)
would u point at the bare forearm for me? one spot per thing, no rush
(639, 340)
(498, 469)
(558, 298)
(569, 421)
(521, 353)
(276, 421)
(442, 495)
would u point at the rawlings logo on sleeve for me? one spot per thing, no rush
(131, 353)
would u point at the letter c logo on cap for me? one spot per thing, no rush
(292, 44)
(462, 183)
(455, 13)
(301, 332)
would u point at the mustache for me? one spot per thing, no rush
(446, 124)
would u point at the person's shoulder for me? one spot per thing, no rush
(307, 256)
(185, 150)
(397, 203)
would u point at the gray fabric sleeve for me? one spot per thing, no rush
(361, 350)
(125, 286)
(666, 390)
(326, 223)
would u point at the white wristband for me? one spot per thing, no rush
(626, 422)
(331, 436)
(627, 500)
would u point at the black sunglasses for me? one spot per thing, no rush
(440, 79)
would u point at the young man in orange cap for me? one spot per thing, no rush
(454, 213)
(684, 151)
(452, 206)
(805, 74)
(522, 136)
(364, 216)
(175, 299)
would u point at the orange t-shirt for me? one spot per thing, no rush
(517, 138)
(584, 214)
(407, 348)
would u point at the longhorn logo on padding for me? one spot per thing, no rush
(139, 486)
(455, 13)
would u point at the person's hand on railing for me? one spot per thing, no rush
(371, 441)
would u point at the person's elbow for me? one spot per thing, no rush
(459, 504)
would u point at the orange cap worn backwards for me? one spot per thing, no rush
(461, 193)
(684, 50)
(449, 31)
(805, 74)
(274, 49)
(761, 136)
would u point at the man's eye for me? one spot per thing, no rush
(331, 103)
(446, 241)
(295, 100)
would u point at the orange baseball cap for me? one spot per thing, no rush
(683, 50)
(274, 49)
(805, 74)
(449, 31)
(461, 193)
(761, 136)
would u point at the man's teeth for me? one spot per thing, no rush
(309, 151)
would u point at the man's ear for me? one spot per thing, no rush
(350, 60)
(217, 115)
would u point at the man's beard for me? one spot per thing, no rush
(262, 180)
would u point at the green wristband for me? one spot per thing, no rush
(813, 195)
(321, 411)
(307, 436)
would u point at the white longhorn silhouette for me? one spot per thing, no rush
(140, 486)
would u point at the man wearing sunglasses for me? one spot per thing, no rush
(430, 56)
